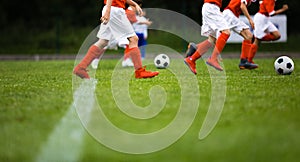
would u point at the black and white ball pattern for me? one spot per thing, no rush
(284, 65)
(161, 61)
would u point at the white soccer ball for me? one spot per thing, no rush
(162, 61)
(284, 65)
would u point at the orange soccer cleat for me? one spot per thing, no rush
(143, 73)
(191, 64)
(81, 72)
(214, 63)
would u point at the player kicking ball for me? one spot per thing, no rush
(215, 27)
(115, 26)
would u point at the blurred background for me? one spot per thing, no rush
(60, 26)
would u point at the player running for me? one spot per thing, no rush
(231, 14)
(115, 26)
(215, 27)
(265, 30)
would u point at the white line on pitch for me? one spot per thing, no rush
(65, 142)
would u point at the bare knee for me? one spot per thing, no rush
(133, 41)
(101, 43)
(246, 34)
(212, 39)
(226, 31)
(276, 35)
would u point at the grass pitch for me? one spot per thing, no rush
(260, 119)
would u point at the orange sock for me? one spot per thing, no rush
(126, 54)
(201, 49)
(246, 47)
(93, 52)
(135, 55)
(220, 44)
(252, 52)
(269, 37)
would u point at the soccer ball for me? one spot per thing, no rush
(161, 61)
(284, 65)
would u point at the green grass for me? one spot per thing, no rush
(260, 120)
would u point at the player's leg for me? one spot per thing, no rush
(264, 30)
(198, 50)
(134, 52)
(246, 49)
(124, 42)
(126, 59)
(272, 36)
(211, 17)
(219, 46)
(122, 28)
(142, 44)
(217, 27)
(253, 50)
(95, 51)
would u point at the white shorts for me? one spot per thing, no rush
(234, 22)
(118, 27)
(212, 20)
(262, 25)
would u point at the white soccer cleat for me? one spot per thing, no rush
(127, 62)
(95, 63)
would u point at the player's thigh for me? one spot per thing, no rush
(244, 30)
(120, 25)
(261, 25)
(272, 28)
(214, 18)
(104, 32)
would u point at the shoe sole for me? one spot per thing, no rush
(250, 68)
(213, 66)
(81, 73)
(147, 77)
(82, 76)
(189, 67)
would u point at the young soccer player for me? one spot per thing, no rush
(140, 26)
(141, 29)
(115, 25)
(265, 30)
(215, 27)
(231, 14)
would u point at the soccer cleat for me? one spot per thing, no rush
(191, 64)
(95, 63)
(192, 47)
(143, 73)
(127, 62)
(81, 72)
(251, 61)
(214, 63)
(245, 64)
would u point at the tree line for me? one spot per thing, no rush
(36, 26)
(78, 13)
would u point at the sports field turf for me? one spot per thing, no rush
(260, 119)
